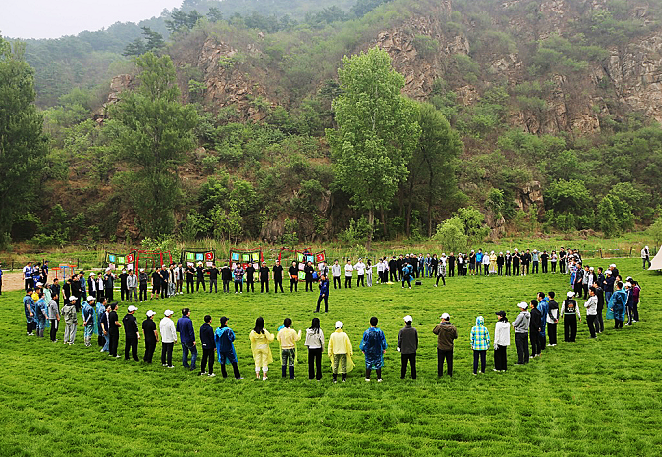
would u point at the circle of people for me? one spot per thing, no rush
(535, 321)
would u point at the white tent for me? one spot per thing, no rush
(656, 264)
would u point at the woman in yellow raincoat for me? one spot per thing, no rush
(340, 353)
(493, 263)
(260, 339)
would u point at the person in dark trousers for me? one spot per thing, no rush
(501, 342)
(617, 304)
(113, 330)
(238, 274)
(563, 260)
(124, 288)
(208, 347)
(224, 338)
(577, 285)
(294, 276)
(131, 333)
(190, 273)
(199, 277)
(315, 344)
(599, 322)
(501, 260)
(552, 318)
(451, 265)
(55, 291)
(446, 334)
(309, 270)
(521, 326)
(151, 336)
(393, 269)
(407, 346)
(324, 294)
(250, 278)
(264, 278)
(570, 315)
(226, 277)
(156, 284)
(544, 258)
(336, 271)
(278, 277)
(535, 327)
(168, 338)
(187, 338)
(108, 284)
(164, 274)
(143, 279)
(441, 269)
(591, 306)
(213, 278)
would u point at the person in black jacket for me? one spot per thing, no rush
(164, 274)
(264, 278)
(77, 292)
(143, 279)
(108, 284)
(208, 346)
(151, 336)
(213, 277)
(278, 277)
(190, 272)
(250, 278)
(451, 265)
(226, 277)
(131, 333)
(200, 277)
(535, 326)
(124, 289)
(294, 276)
(309, 270)
(393, 269)
(113, 330)
(500, 262)
(553, 315)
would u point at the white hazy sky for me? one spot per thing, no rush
(55, 18)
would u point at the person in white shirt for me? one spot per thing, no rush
(645, 256)
(368, 273)
(348, 274)
(380, 271)
(360, 272)
(336, 271)
(168, 338)
(591, 306)
(501, 342)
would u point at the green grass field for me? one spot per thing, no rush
(589, 398)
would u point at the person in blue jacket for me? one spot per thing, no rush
(407, 270)
(208, 346)
(373, 345)
(187, 338)
(617, 304)
(324, 294)
(30, 316)
(224, 338)
(543, 307)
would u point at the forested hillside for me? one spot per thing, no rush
(532, 115)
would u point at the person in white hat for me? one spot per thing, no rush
(131, 333)
(88, 314)
(645, 256)
(340, 353)
(508, 259)
(168, 338)
(407, 346)
(151, 336)
(70, 317)
(521, 326)
(570, 315)
(441, 269)
(446, 334)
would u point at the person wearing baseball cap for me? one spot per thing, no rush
(151, 336)
(446, 333)
(340, 353)
(131, 333)
(521, 326)
(407, 346)
(168, 338)
(88, 315)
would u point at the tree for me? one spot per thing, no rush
(214, 14)
(606, 218)
(474, 223)
(433, 165)
(151, 130)
(23, 145)
(655, 231)
(377, 131)
(451, 234)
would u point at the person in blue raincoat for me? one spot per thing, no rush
(373, 345)
(407, 270)
(89, 317)
(28, 305)
(100, 309)
(617, 304)
(224, 337)
(41, 314)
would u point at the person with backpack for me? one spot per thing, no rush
(315, 344)
(224, 338)
(373, 345)
(480, 342)
(570, 314)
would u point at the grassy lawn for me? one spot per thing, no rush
(589, 398)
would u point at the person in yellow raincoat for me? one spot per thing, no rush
(340, 353)
(493, 263)
(260, 339)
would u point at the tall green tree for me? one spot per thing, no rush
(433, 165)
(152, 130)
(22, 143)
(377, 132)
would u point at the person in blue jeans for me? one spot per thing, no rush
(187, 337)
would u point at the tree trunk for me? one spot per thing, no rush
(383, 221)
(410, 202)
(371, 221)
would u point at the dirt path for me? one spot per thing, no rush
(12, 281)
